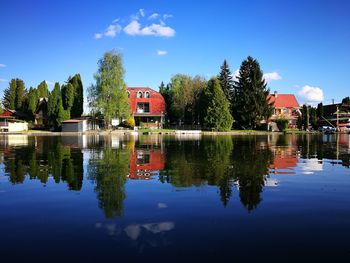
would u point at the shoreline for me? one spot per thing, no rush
(176, 132)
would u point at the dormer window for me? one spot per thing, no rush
(139, 94)
(147, 95)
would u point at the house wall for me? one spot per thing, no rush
(17, 126)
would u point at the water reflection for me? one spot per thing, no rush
(245, 164)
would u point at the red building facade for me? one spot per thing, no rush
(147, 106)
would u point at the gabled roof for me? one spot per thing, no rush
(283, 100)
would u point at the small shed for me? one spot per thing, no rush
(74, 126)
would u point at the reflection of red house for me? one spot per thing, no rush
(147, 106)
(286, 106)
(146, 163)
(284, 163)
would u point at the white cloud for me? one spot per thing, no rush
(112, 30)
(4, 80)
(2, 65)
(153, 16)
(166, 16)
(142, 12)
(311, 95)
(134, 29)
(162, 52)
(98, 35)
(271, 76)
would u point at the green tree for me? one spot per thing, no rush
(109, 95)
(42, 90)
(216, 107)
(55, 107)
(32, 100)
(319, 110)
(20, 94)
(226, 81)
(77, 106)
(9, 100)
(250, 104)
(346, 100)
(67, 92)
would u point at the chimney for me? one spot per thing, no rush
(275, 94)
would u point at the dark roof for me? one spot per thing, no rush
(331, 109)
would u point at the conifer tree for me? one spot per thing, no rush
(216, 114)
(9, 100)
(20, 94)
(250, 103)
(32, 100)
(226, 81)
(68, 97)
(77, 107)
(55, 107)
(42, 90)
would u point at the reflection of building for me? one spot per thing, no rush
(285, 106)
(147, 106)
(144, 163)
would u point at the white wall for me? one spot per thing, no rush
(17, 126)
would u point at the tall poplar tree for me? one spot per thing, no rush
(77, 107)
(226, 81)
(108, 95)
(250, 105)
(20, 94)
(55, 107)
(42, 90)
(32, 100)
(216, 111)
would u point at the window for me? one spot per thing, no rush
(139, 94)
(128, 94)
(285, 111)
(142, 108)
(147, 94)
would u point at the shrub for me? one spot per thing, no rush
(130, 122)
(282, 124)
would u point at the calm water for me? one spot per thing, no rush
(179, 199)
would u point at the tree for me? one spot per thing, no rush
(42, 90)
(319, 110)
(216, 107)
(250, 104)
(346, 101)
(55, 107)
(67, 93)
(226, 81)
(32, 100)
(14, 95)
(109, 95)
(20, 94)
(9, 100)
(77, 107)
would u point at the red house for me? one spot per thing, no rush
(286, 106)
(147, 106)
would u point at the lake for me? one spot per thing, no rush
(273, 198)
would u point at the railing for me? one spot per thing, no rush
(4, 124)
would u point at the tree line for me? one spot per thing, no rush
(220, 103)
(63, 102)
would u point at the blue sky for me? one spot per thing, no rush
(302, 46)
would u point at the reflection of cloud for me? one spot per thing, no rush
(308, 166)
(133, 231)
(162, 205)
(271, 182)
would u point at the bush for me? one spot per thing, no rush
(130, 122)
(282, 124)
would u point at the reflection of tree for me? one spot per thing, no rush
(109, 169)
(250, 166)
(47, 157)
(198, 162)
(220, 161)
